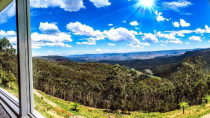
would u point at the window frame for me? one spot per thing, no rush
(24, 106)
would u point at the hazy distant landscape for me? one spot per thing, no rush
(125, 56)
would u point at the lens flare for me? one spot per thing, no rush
(147, 3)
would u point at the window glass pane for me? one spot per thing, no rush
(8, 49)
(120, 58)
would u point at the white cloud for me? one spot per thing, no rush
(100, 3)
(122, 34)
(60, 37)
(51, 36)
(7, 33)
(159, 16)
(110, 24)
(175, 24)
(50, 52)
(134, 23)
(67, 5)
(200, 31)
(168, 36)
(135, 46)
(177, 41)
(87, 43)
(187, 43)
(98, 50)
(79, 29)
(181, 32)
(8, 12)
(163, 45)
(181, 35)
(124, 21)
(150, 38)
(177, 6)
(48, 28)
(195, 39)
(68, 46)
(111, 44)
(183, 23)
(58, 45)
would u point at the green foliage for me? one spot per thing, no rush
(75, 106)
(183, 105)
(206, 100)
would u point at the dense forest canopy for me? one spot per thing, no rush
(113, 86)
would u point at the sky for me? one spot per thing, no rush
(71, 27)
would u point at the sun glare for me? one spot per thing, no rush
(147, 3)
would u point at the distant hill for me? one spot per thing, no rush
(163, 66)
(124, 56)
(54, 58)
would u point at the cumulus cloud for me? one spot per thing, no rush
(58, 45)
(167, 36)
(124, 21)
(83, 30)
(177, 41)
(177, 6)
(60, 37)
(195, 39)
(67, 5)
(150, 38)
(136, 46)
(159, 16)
(7, 33)
(187, 43)
(175, 24)
(163, 45)
(111, 44)
(122, 34)
(10, 35)
(48, 28)
(200, 31)
(181, 35)
(50, 36)
(50, 52)
(183, 23)
(181, 32)
(110, 24)
(90, 42)
(8, 12)
(101, 3)
(98, 50)
(134, 23)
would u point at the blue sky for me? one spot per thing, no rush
(70, 27)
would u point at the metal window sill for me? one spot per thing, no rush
(11, 105)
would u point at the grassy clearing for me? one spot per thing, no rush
(88, 112)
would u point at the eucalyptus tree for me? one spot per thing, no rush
(8, 53)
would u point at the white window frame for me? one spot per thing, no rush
(24, 106)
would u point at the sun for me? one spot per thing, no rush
(147, 3)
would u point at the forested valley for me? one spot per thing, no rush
(115, 87)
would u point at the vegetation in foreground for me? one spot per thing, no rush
(63, 109)
(116, 89)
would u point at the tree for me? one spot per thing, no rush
(183, 105)
(8, 53)
(190, 81)
(75, 106)
(206, 99)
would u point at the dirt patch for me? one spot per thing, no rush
(46, 100)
